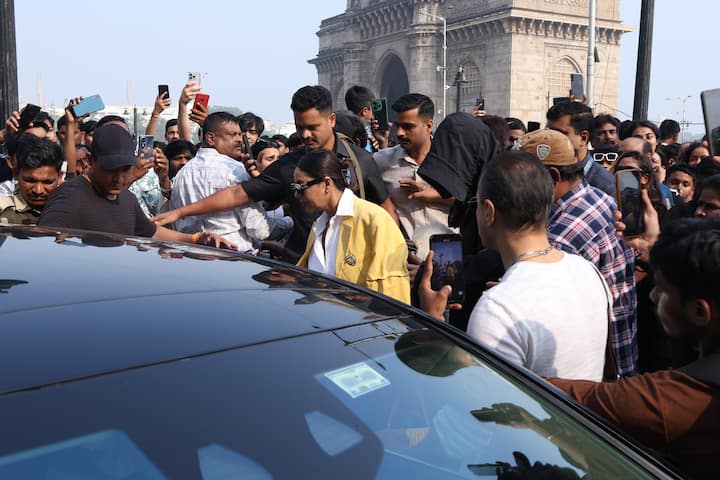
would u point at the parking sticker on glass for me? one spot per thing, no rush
(357, 380)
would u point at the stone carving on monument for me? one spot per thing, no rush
(517, 54)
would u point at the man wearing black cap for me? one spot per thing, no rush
(100, 201)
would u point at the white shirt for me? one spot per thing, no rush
(551, 318)
(323, 259)
(7, 188)
(204, 175)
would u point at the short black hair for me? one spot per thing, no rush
(279, 138)
(687, 254)
(411, 101)
(89, 126)
(358, 97)
(215, 119)
(34, 152)
(249, 120)
(347, 123)
(42, 117)
(294, 141)
(62, 121)
(669, 128)
(566, 108)
(311, 96)
(177, 147)
(603, 119)
(499, 127)
(106, 119)
(515, 124)
(679, 167)
(625, 129)
(170, 123)
(648, 124)
(520, 188)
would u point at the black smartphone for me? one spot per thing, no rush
(448, 265)
(162, 90)
(710, 100)
(557, 100)
(629, 201)
(532, 126)
(480, 103)
(246, 146)
(577, 88)
(27, 115)
(380, 113)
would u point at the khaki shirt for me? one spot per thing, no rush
(394, 165)
(14, 209)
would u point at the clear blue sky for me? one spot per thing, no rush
(255, 53)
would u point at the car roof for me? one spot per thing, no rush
(78, 304)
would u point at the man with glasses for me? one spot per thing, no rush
(606, 156)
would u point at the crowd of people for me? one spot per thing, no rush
(555, 281)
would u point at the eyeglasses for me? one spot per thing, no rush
(299, 188)
(609, 157)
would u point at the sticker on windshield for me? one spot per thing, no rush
(358, 379)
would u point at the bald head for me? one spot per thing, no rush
(634, 144)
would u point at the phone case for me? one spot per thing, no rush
(201, 99)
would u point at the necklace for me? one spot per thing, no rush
(534, 253)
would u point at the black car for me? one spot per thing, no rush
(128, 358)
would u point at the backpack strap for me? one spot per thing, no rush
(354, 161)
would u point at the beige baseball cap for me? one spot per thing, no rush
(549, 146)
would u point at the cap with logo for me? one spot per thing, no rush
(549, 146)
(113, 147)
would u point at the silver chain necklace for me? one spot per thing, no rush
(534, 253)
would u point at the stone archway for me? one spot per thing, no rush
(393, 81)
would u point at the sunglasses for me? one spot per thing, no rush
(299, 188)
(609, 157)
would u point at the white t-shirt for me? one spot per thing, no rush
(551, 318)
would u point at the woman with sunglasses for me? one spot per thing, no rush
(352, 239)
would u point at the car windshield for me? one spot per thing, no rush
(388, 399)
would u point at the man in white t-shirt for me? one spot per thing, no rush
(549, 312)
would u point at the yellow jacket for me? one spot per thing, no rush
(371, 251)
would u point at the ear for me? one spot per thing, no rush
(585, 137)
(702, 314)
(210, 139)
(489, 212)
(331, 119)
(429, 125)
(555, 174)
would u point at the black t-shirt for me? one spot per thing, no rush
(273, 186)
(76, 204)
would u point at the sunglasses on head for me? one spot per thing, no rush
(609, 157)
(301, 187)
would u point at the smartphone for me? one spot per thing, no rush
(710, 100)
(88, 105)
(577, 88)
(195, 77)
(246, 146)
(532, 126)
(143, 142)
(557, 100)
(448, 265)
(480, 103)
(380, 113)
(27, 115)
(201, 99)
(163, 90)
(629, 201)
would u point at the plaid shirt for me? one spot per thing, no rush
(581, 222)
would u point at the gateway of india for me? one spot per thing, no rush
(516, 54)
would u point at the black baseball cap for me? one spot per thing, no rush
(113, 147)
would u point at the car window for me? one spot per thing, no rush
(387, 399)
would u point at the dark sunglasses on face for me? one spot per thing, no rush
(609, 157)
(299, 188)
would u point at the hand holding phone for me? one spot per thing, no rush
(145, 144)
(87, 106)
(629, 201)
(27, 115)
(201, 99)
(380, 113)
(577, 89)
(448, 265)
